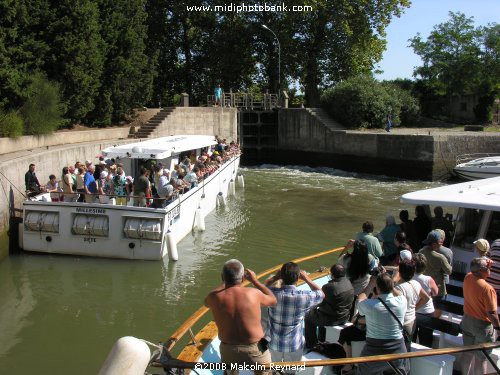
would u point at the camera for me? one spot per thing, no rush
(376, 271)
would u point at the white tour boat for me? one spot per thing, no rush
(478, 214)
(477, 166)
(113, 231)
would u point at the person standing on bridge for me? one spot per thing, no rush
(218, 94)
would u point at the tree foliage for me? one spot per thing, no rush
(75, 57)
(363, 102)
(460, 59)
(109, 56)
(340, 39)
(11, 124)
(42, 111)
(125, 82)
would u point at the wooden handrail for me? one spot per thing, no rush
(374, 358)
(193, 319)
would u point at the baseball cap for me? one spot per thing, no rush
(433, 237)
(405, 255)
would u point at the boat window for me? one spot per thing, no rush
(493, 231)
(467, 226)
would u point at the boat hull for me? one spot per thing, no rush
(111, 238)
(476, 173)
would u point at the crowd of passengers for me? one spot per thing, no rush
(385, 287)
(156, 186)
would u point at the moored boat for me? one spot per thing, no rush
(477, 166)
(51, 225)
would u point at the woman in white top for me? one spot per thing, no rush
(426, 314)
(427, 283)
(416, 297)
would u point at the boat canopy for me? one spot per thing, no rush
(481, 194)
(160, 148)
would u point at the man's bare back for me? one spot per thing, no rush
(236, 310)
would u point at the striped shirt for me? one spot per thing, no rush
(286, 319)
(494, 278)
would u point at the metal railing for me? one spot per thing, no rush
(389, 358)
(259, 101)
(188, 325)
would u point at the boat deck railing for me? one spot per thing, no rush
(107, 199)
(464, 158)
(187, 328)
(193, 319)
(388, 358)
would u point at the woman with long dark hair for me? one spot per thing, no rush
(357, 264)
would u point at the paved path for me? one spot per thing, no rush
(427, 131)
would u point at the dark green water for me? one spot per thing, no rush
(61, 314)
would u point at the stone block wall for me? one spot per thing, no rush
(306, 141)
(32, 142)
(200, 121)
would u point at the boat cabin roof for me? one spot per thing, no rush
(481, 194)
(160, 148)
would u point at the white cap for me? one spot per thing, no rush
(405, 255)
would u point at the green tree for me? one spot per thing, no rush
(22, 48)
(339, 39)
(127, 77)
(11, 124)
(363, 102)
(75, 58)
(459, 59)
(42, 111)
(451, 56)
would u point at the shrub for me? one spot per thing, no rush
(363, 102)
(11, 124)
(42, 111)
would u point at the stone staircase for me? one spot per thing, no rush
(324, 118)
(146, 130)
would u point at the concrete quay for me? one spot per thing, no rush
(423, 154)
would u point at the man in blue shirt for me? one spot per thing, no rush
(286, 319)
(383, 333)
(90, 185)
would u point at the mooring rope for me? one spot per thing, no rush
(12, 184)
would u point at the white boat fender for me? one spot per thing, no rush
(172, 246)
(200, 219)
(221, 201)
(241, 181)
(129, 356)
(232, 189)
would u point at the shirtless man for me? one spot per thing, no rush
(236, 312)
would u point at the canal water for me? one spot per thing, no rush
(62, 314)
